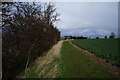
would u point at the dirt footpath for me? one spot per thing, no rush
(56, 49)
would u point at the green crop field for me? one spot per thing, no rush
(104, 48)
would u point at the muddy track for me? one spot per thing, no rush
(113, 69)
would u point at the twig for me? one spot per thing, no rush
(28, 61)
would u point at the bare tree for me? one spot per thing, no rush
(24, 25)
(112, 35)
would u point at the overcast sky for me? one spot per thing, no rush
(89, 19)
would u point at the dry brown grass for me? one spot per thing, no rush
(45, 66)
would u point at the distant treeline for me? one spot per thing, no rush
(81, 37)
(74, 37)
(27, 32)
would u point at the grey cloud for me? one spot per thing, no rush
(90, 18)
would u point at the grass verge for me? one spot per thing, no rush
(74, 64)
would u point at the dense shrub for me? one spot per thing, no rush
(27, 32)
